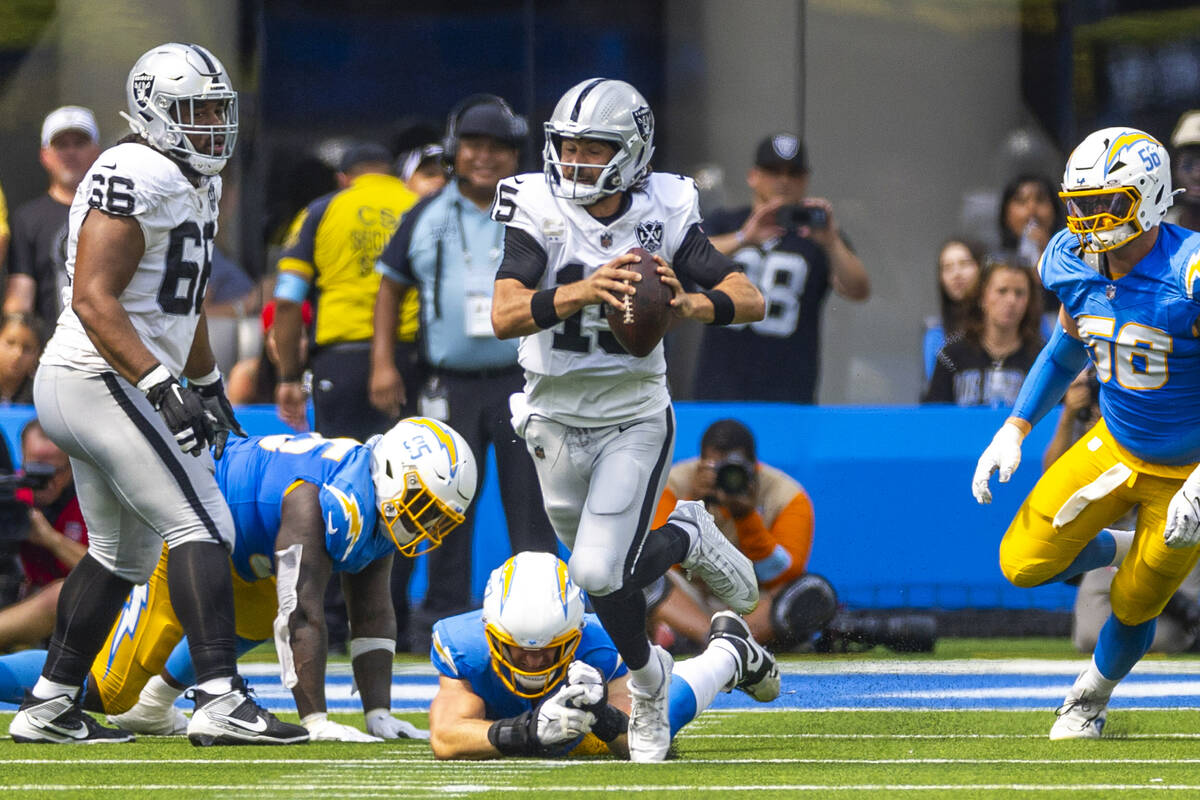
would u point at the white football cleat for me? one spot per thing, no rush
(649, 724)
(60, 720)
(757, 673)
(1081, 715)
(716, 560)
(152, 719)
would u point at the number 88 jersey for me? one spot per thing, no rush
(178, 222)
(1139, 330)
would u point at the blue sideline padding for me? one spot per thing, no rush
(895, 521)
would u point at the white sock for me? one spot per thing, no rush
(650, 676)
(45, 689)
(1098, 686)
(710, 672)
(216, 686)
(159, 693)
(1124, 540)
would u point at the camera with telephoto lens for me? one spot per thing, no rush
(734, 474)
(901, 632)
(798, 216)
(14, 515)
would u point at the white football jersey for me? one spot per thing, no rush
(166, 293)
(577, 372)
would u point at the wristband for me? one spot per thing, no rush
(512, 736)
(739, 237)
(208, 379)
(541, 306)
(157, 374)
(611, 722)
(366, 644)
(723, 309)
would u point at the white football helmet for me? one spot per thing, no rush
(162, 91)
(610, 111)
(1117, 186)
(424, 475)
(531, 603)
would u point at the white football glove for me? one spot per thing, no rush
(559, 720)
(381, 723)
(595, 691)
(322, 729)
(1004, 454)
(1183, 514)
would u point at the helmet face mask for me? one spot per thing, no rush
(533, 621)
(1117, 186)
(603, 110)
(424, 475)
(180, 99)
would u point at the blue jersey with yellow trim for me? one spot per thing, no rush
(255, 474)
(1139, 331)
(460, 651)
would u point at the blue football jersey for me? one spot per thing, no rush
(254, 475)
(1139, 331)
(460, 650)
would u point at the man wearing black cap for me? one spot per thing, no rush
(792, 248)
(449, 248)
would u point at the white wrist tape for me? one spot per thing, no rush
(366, 644)
(153, 378)
(314, 718)
(210, 378)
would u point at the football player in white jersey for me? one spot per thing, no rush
(139, 254)
(597, 420)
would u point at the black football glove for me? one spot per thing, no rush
(181, 408)
(217, 404)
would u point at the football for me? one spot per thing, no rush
(643, 321)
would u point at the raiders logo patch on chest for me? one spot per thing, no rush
(649, 234)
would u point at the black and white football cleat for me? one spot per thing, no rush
(60, 720)
(235, 718)
(757, 673)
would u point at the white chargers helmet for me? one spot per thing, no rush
(424, 475)
(1117, 186)
(610, 111)
(531, 604)
(162, 92)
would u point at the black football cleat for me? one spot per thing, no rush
(235, 718)
(60, 720)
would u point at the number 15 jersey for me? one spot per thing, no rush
(165, 295)
(576, 372)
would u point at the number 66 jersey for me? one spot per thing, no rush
(1140, 331)
(178, 222)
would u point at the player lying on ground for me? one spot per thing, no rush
(304, 507)
(532, 675)
(1127, 281)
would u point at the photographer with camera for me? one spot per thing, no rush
(768, 515)
(792, 248)
(54, 536)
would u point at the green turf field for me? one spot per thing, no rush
(769, 754)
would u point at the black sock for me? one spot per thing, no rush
(623, 614)
(664, 547)
(202, 596)
(89, 602)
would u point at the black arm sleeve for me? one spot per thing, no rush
(524, 258)
(697, 260)
(395, 253)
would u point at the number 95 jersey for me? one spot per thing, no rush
(178, 222)
(1139, 329)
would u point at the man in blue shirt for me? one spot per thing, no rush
(449, 248)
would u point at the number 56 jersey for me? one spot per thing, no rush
(1139, 329)
(178, 222)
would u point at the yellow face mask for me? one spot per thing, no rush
(1103, 219)
(530, 682)
(417, 521)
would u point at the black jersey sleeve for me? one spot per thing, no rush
(524, 258)
(700, 262)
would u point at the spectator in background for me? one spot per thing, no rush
(5, 231)
(1029, 215)
(999, 344)
(958, 281)
(792, 248)
(768, 515)
(423, 169)
(449, 248)
(1185, 141)
(331, 253)
(20, 346)
(38, 268)
(253, 379)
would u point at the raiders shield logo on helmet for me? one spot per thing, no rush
(649, 234)
(142, 84)
(644, 119)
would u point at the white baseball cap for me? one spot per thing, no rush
(1187, 130)
(69, 118)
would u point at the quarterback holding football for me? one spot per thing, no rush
(596, 418)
